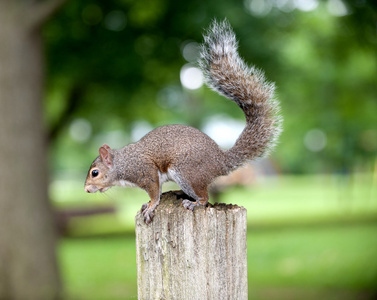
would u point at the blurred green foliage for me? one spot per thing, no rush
(113, 63)
(276, 202)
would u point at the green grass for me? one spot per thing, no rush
(98, 268)
(330, 262)
(299, 200)
(309, 237)
(337, 258)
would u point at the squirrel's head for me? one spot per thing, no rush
(101, 173)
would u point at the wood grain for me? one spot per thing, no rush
(192, 255)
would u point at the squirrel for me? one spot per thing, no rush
(186, 155)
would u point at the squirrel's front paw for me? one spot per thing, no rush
(147, 213)
(144, 207)
(189, 204)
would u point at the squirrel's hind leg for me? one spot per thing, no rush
(196, 190)
(201, 198)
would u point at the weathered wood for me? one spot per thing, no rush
(192, 255)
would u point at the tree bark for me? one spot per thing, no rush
(192, 255)
(28, 268)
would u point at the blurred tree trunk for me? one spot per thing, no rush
(28, 267)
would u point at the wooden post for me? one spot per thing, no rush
(192, 255)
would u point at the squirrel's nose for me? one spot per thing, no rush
(91, 188)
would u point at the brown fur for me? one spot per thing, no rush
(186, 155)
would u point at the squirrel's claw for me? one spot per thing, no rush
(148, 217)
(147, 213)
(143, 207)
(189, 204)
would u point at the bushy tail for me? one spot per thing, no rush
(227, 73)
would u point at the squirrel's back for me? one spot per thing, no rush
(227, 73)
(170, 145)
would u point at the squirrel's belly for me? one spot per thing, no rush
(170, 175)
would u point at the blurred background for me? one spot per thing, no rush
(116, 69)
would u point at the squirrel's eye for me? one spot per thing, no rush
(95, 173)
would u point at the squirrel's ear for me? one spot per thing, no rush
(106, 146)
(104, 153)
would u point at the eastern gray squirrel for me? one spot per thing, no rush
(186, 155)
